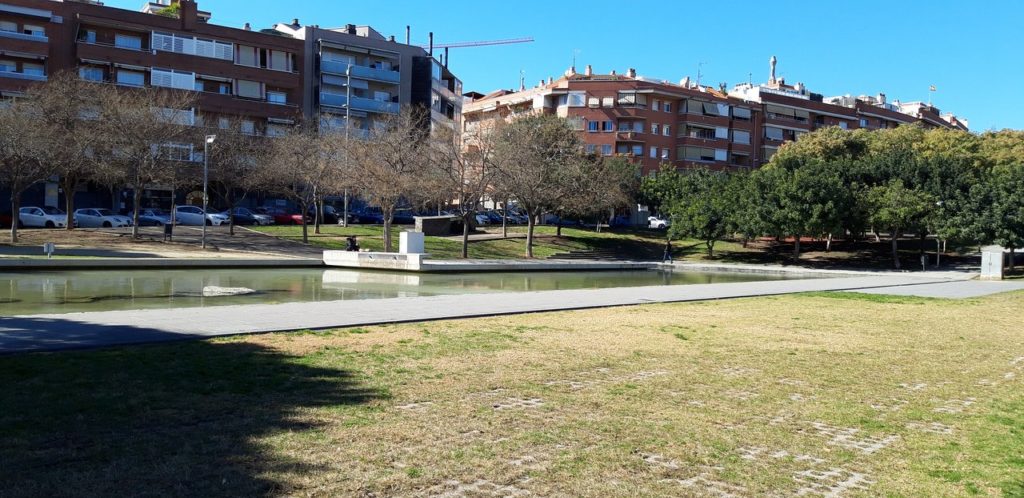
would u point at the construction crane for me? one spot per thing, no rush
(430, 47)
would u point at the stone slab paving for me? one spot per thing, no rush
(951, 290)
(111, 328)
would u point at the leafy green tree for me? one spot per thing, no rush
(898, 208)
(702, 211)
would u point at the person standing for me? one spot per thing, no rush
(667, 258)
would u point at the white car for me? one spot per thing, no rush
(100, 218)
(193, 215)
(44, 217)
(657, 223)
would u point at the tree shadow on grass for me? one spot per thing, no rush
(186, 419)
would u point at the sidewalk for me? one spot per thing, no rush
(100, 329)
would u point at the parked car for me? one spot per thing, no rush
(193, 215)
(5, 220)
(370, 216)
(331, 215)
(100, 218)
(154, 217)
(657, 223)
(482, 219)
(42, 217)
(281, 215)
(242, 216)
(494, 217)
(261, 218)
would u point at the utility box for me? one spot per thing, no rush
(992, 263)
(439, 226)
(411, 243)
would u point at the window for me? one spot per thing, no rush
(638, 126)
(248, 127)
(577, 99)
(593, 126)
(721, 133)
(773, 133)
(778, 112)
(11, 27)
(720, 154)
(88, 36)
(576, 123)
(128, 41)
(843, 125)
(593, 102)
(654, 152)
(607, 126)
(741, 113)
(176, 152)
(130, 78)
(741, 137)
(668, 107)
(276, 130)
(223, 123)
(168, 78)
(34, 30)
(666, 130)
(625, 126)
(654, 128)
(608, 102)
(863, 123)
(382, 96)
(90, 73)
(739, 160)
(8, 66)
(631, 99)
(638, 150)
(590, 148)
(665, 154)
(249, 89)
(606, 149)
(280, 61)
(33, 68)
(247, 56)
(697, 154)
(656, 106)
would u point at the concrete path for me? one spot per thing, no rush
(99, 329)
(951, 290)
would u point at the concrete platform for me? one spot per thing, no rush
(154, 263)
(113, 328)
(422, 263)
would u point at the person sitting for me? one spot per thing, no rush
(351, 245)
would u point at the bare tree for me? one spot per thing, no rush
(298, 165)
(462, 171)
(532, 157)
(234, 163)
(598, 184)
(143, 131)
(390, 164)
(22, 142)
(68, 109)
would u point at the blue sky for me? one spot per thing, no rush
(969, 50)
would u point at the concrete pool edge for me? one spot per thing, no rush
(156, 263)
(39, 333)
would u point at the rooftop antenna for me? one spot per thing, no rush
(522, 80)
(750, 79)
(575, 53)
(699, 73)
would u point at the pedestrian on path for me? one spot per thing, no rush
(667, 258)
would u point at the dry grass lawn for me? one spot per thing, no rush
(808, 395)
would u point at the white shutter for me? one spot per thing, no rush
(723, 110)
(224, 51)
(205, 48)
(188, 45)
(720, 155)
(178, 44)
(161, 77)
(184, 81)
(721, 132)
(162, 42)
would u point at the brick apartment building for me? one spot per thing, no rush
(657, 122)
(266, 79)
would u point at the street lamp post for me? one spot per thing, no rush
(348, 115)
(938, 240)
(206, 181)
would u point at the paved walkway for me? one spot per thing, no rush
(98, 329)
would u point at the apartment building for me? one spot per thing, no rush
(651, 121)
(356, 73)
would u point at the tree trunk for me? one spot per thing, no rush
(895, 236)
(15, 215)
(875, 233)
(70, 186)
(558, 224)
(318, 214)
(711, 248)
(231, 213)
(387, 232)
(529, 235)
(465, 235)
(504, 221)
(796, 246)
(746, 240)
(305, 223)
(137, 200)
(938, 252)
(828, 243)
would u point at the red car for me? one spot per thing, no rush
(281, 216)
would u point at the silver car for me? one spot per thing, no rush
(193, 215)
(100, 218)
(42, 217)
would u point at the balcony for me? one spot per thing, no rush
(22, 76)
(24, 37)
(627, 136)
(359, 103)
(362, 72)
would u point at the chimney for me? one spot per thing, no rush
(247, 27)
(631, 73)
(350, 29)
(550, 80)
(685, 82)
(295, 23)
(391, 38)
(881, 98)
(407, 33)
(571, 71)
(613, 72)
(540, 83)
(189, 14)
(589, 71)
(431, 37)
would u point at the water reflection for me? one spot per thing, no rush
(66, 292)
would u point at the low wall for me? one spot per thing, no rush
(374, 260)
